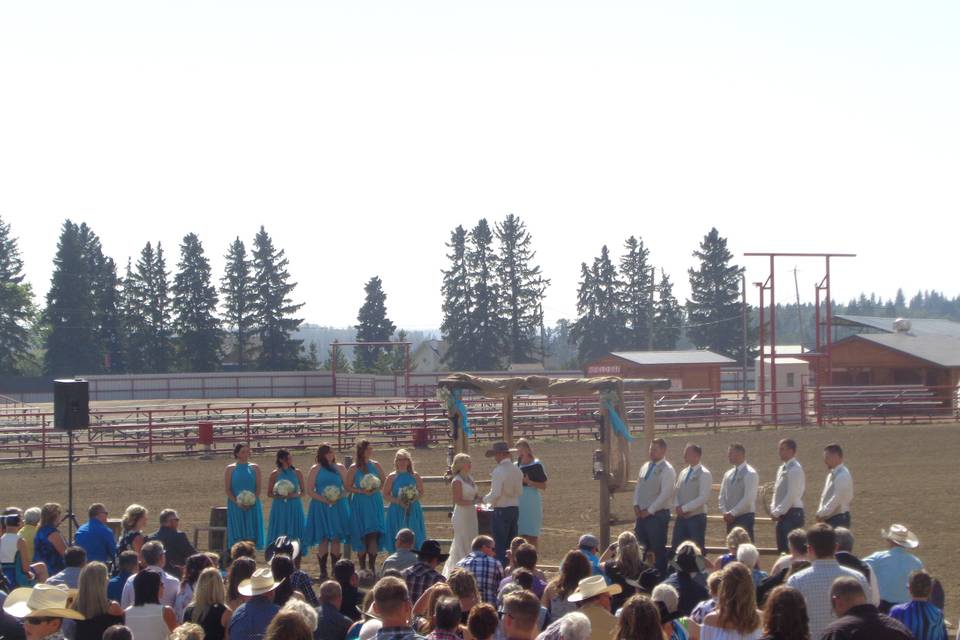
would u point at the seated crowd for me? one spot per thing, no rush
(157, 586)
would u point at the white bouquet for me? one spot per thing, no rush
(331, 493)
(408, 495)
(246, 498)
(283, 488)
(370, 482)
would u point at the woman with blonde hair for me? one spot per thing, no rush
(288, 625)
(25, 574)
(208, 608)
(639, 620)
(534, 484)
(131, 533)
(49, 546)
(99, 612)
(736, 537)
(464, 519)
(425, 607)
(736, 616)
(403, 512)
(622, 565)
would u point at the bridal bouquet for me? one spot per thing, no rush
(370, 482)
(246, 499)
(283, 488)
(331, 493)
(408, 495)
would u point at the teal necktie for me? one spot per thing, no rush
(650, 467)
(689, 473)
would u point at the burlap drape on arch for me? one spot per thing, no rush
(619, 466)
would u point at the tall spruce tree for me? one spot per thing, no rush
(667, 317)
(636, 294)
(373, 325)
(16, 306)
(714, 308)
(457, 305)
(197, 326)
(148, 312)
(135, 331)
(522, 287)
(599, 327)
(108, 312)
(486, 323)
(279, 351)
(72, 342)
(239, 302)
(343, 365)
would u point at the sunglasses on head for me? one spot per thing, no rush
(35, 621)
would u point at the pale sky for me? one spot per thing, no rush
(360, 133)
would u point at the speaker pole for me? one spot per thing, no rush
(70, 487)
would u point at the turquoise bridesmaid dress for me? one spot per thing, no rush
(366, 511)
(286, 514)
(531, 508)
(400, 518)
(325, 521)
(244, 524)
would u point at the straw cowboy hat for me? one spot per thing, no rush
(499, 447)
(900, 535)
(593, 586)
(261, 582)
(41, 601)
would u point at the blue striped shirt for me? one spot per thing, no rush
(923, 619)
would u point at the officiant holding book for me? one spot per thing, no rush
(534, 483)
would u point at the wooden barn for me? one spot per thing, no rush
(896, 359)
(690, 369)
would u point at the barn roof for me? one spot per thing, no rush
(688, 356)
(918, 326)
(943, 351)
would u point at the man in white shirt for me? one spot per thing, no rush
(154, 557)
(690, 499)
(505, 488)
(837, 493)
(786, 507)
(738, 491)
(652, 500)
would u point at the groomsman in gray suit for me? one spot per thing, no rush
(652, 500)
(786, 507)
(838, 491)
(738, 491)
(690, 500)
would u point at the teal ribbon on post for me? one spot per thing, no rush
(618, 424)
(462, 410)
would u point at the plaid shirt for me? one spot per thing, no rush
(487, 572)
(303, 584)
(398, 633)
(419, 578)
(814, 583)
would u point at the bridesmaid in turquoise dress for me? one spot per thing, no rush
(243, 523)
(398, 516)
(366, 507)
(328, 523)
(531, 505)
(286, 513)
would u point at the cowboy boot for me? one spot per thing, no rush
(362, 558)
(323, 566)
(373, 563)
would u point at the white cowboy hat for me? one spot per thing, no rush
(900, 535)
(41, 601)
(259, 583)
(593, 586)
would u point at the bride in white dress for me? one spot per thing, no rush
(464, 511)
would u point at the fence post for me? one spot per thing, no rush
(150, 436)
(339, 426)
(43, 441)
(716, 415)
(247, 427)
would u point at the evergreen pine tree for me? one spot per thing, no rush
(635, 294)
(312, 361)
(714, 308)
(398, 358)
(16, 306)
(239, 308)
(149, 310)
(486, 322)
(108, 312)
(668, 316)
(343, 365)
(522, 286)
(195, 299)
(274, 308)
(457, 304)
(135, 329)
(373, 325)
(600, 323)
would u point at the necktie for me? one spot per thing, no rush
(689, 473)
(650, 467)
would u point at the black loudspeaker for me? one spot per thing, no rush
(71, 404)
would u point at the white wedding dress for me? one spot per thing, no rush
(464, 525)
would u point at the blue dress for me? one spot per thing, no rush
(400, 518)
(244, 524)
(325, 521)
(286, 514)
(531, 508)
(366, 511)
(45, 552)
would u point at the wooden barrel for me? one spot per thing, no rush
(217, 540)
(485, 522)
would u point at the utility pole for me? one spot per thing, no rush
(745, 311)
(653, 285)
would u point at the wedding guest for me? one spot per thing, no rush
(521, 612)
(797, 551)
(667, 600)
(240, 569)
(652, 500)
(624, 567)
(194, 567)
(735, 537)
(282, 568)
(244, 521)
(127, 564)
(300, 580)
(785, 616)
(837, 493)
(446, 618)
(153, 556)
(391, 602)
(786, 506)
(525, 558)
(464, 518)
(328, 520)
(505, 488)
(855, 618)
(96, 537)
(534, 484)
(286, 511)
(25, 576)
(424, 609)
(483, 564)
(845, 557)
(424, 574)
(288, 625)
(924, 619)
(748, 555)
(483, 621)
(132, 524)
(345, 573)
(366, 506)
(176, 545)
(736, 616)
(331, 624)
(43, 609)
(98, 611)
(73, 560)
(574, 568)
(894, 566)
(251, 619)
(738, 491)
(589, 546)
(640, 618)
(706, 606)
(691, 493)
(208, 608)
(464, 586)
(147, 617)
(593, 595)
(49, 546)
(403, 513)
(689, 579)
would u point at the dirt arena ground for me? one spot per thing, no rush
(901, 473)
